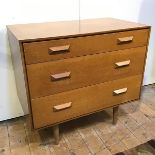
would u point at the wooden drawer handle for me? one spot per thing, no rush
(122, 64)
(120, 91)
(125, 40)
(62, 106)
(61, 76)
(58, 49)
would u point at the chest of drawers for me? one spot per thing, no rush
(65, 70)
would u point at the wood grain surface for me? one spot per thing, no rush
(84, 101)
(94, 54)
(84, 71)
(51, 30)
(36, 52)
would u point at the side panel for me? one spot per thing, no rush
(19, 71)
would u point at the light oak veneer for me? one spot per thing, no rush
(65, 70)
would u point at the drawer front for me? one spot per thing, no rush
(64, 75)
(64, 48)
(68, 105)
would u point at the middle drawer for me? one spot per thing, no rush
(54, 77)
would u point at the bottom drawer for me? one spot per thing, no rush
(64, 106)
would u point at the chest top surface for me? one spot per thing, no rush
(51, 30)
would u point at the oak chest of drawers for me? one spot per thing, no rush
(66, 70)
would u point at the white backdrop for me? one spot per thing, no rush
(28, 11)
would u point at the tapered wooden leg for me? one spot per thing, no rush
(56, 134)
(115, 114)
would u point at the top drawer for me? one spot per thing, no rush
(64, 48)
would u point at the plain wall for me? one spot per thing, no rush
(27, 11)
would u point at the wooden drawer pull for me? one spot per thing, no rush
(120, 91)
(61, 76)
(122, 64)
(125, 40)
(62, 106)
(58, 49)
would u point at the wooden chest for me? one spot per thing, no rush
(66, 70)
